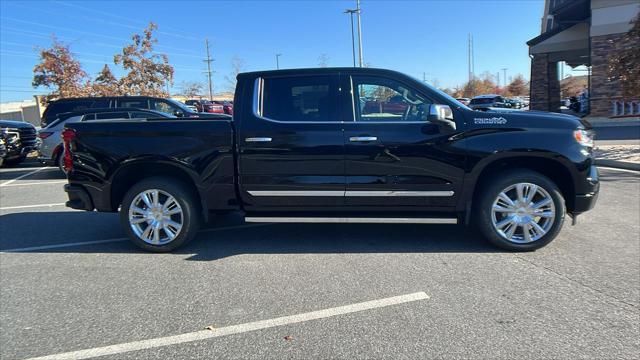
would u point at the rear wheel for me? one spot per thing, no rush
(522, 211)
(160, 214)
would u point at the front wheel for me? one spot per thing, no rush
(160, 214)
(522, 211)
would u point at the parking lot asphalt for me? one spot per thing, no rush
(69, 281)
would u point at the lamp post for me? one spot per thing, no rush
(278, 61)
(358, 11)
(353, 40)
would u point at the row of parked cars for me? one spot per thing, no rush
(18, 139)
(485, 102)
(211, 106)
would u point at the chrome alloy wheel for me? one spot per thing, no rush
(155, 217)
(523, 213)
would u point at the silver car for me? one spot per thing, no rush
(50, 150)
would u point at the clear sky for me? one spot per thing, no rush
(414, 37)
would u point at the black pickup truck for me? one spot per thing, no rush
(342, 145)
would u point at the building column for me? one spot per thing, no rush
(604, 89)
(545, 86)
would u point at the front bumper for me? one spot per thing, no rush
(585, 202)
(78, 197)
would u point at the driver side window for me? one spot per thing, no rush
(378, 99)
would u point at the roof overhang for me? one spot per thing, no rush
(570, 44)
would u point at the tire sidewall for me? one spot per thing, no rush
(490, 193)
(190, 213)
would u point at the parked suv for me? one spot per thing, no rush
(19, 138)
(167, 106)
(50, 149)
(484, 102)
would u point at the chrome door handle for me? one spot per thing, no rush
(363, 138)
(258, 139)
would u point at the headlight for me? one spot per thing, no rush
(584, 137)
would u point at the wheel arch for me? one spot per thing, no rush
(133, 172)
(557, 169)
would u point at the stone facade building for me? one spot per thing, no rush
(582, 32)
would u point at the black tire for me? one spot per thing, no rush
(60, 162)
(484, 205)
(191, 212)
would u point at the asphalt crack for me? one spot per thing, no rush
(634, 307)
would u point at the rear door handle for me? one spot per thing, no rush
(258, 139)
(362, 138)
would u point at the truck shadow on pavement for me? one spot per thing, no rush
(228, 236)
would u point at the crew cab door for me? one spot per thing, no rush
(291, 151)
(394, 157)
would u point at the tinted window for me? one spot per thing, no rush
(481, 101)
(133, 103)
(101, 103)
(143, 115)
(379, 99)
(297, 98)
(89, 117)
(56, 108)
(163, 106)
(113, 115)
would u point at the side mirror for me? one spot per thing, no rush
(178, 113)
(441, 115)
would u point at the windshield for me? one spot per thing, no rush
(182, 106)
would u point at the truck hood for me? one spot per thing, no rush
(15, 124)
(527, 119)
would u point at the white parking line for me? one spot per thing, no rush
(617, 169)
(23, 176)
(64, 245)
(237, 329)
(8, 183)
(30, 206)
(5, 171)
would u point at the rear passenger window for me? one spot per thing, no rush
(303, 99)
(89, 117)
(142, 115)
(134, 103)
(113, 115)
(56, 108)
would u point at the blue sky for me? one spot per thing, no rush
(414, 37)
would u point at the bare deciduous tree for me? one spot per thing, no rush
(237, 66)
(191, 88)
(323, 60)
(148, 72)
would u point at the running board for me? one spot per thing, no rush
(350, 220)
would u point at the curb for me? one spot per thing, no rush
(618, 164)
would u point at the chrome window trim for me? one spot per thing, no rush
(258, 106)
(352, 193)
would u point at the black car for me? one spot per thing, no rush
(167, 106)
(19, 138)
(305, 147)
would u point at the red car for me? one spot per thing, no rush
(206, 106)
(226, 105)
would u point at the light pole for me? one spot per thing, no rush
(278, 61)
(504, 73)
(353, 41)
(359, 33)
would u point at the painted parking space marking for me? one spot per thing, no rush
(23, 176)
(618, 169)
(93, 242)
(30, 206)
(48, 182)
(46, 168)
(237, 329)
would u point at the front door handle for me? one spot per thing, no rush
(362, 138)
(258, 139)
